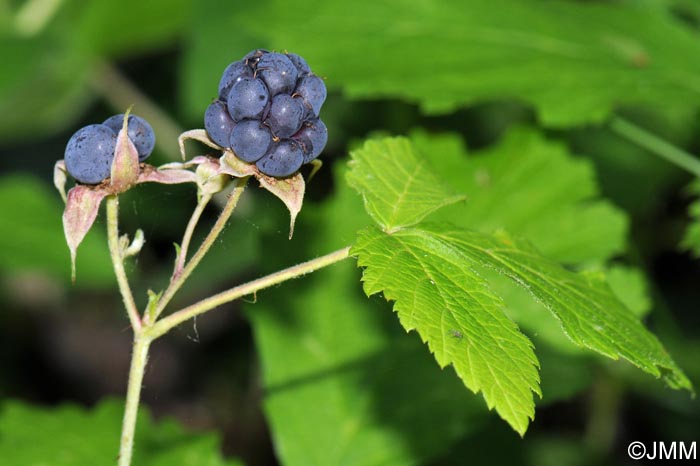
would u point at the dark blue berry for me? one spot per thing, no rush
(300, 64)
(312, 138)
(313, 90)
(247, 99)
(232, 74)
(278, 72)
(286, 115)
(250, 140)
(218, 123)
(283, 159)
(89, 153)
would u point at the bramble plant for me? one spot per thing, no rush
(424, 244)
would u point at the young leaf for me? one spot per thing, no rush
(398, 187)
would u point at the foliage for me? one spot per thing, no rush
(70, 435)
(527, 242)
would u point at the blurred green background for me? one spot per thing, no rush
(314, 373)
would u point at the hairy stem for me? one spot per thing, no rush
(656, 145)
(177, 281)
(118, 261)
(175, 319)
(187, 237)
(139, 359)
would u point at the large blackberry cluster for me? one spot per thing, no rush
(90, 150)
(267, 112)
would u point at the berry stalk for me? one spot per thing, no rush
(164, 325)
(177, 281)
(118, 262)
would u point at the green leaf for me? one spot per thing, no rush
(429, 271)
(574, 61)
(438, 293)
(591, 315)
(531, 187)
(32, 235)
(393, 162)
(344, 384)
(72, 436)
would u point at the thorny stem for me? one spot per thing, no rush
(187, 237)
(139, 358)
(118, 262)
(164, 325)
(658, 146)
(177, 281)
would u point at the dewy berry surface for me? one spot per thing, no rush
(89, 153)
(267, 112)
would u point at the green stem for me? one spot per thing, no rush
(139, 359)
(118, 262)
(177, 281)
(164, 325)
(187, 237)
(656, 145)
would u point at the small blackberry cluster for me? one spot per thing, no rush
(267, 112)
(90, 150)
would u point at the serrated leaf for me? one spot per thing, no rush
(81, 210)
(349, 387)
(604, 54)
(438, 294)
(398, 187)
(407, 262)
(72, 436)
(591, 315)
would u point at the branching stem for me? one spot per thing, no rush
(207, 304)
(189, 231)
(179, 279)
